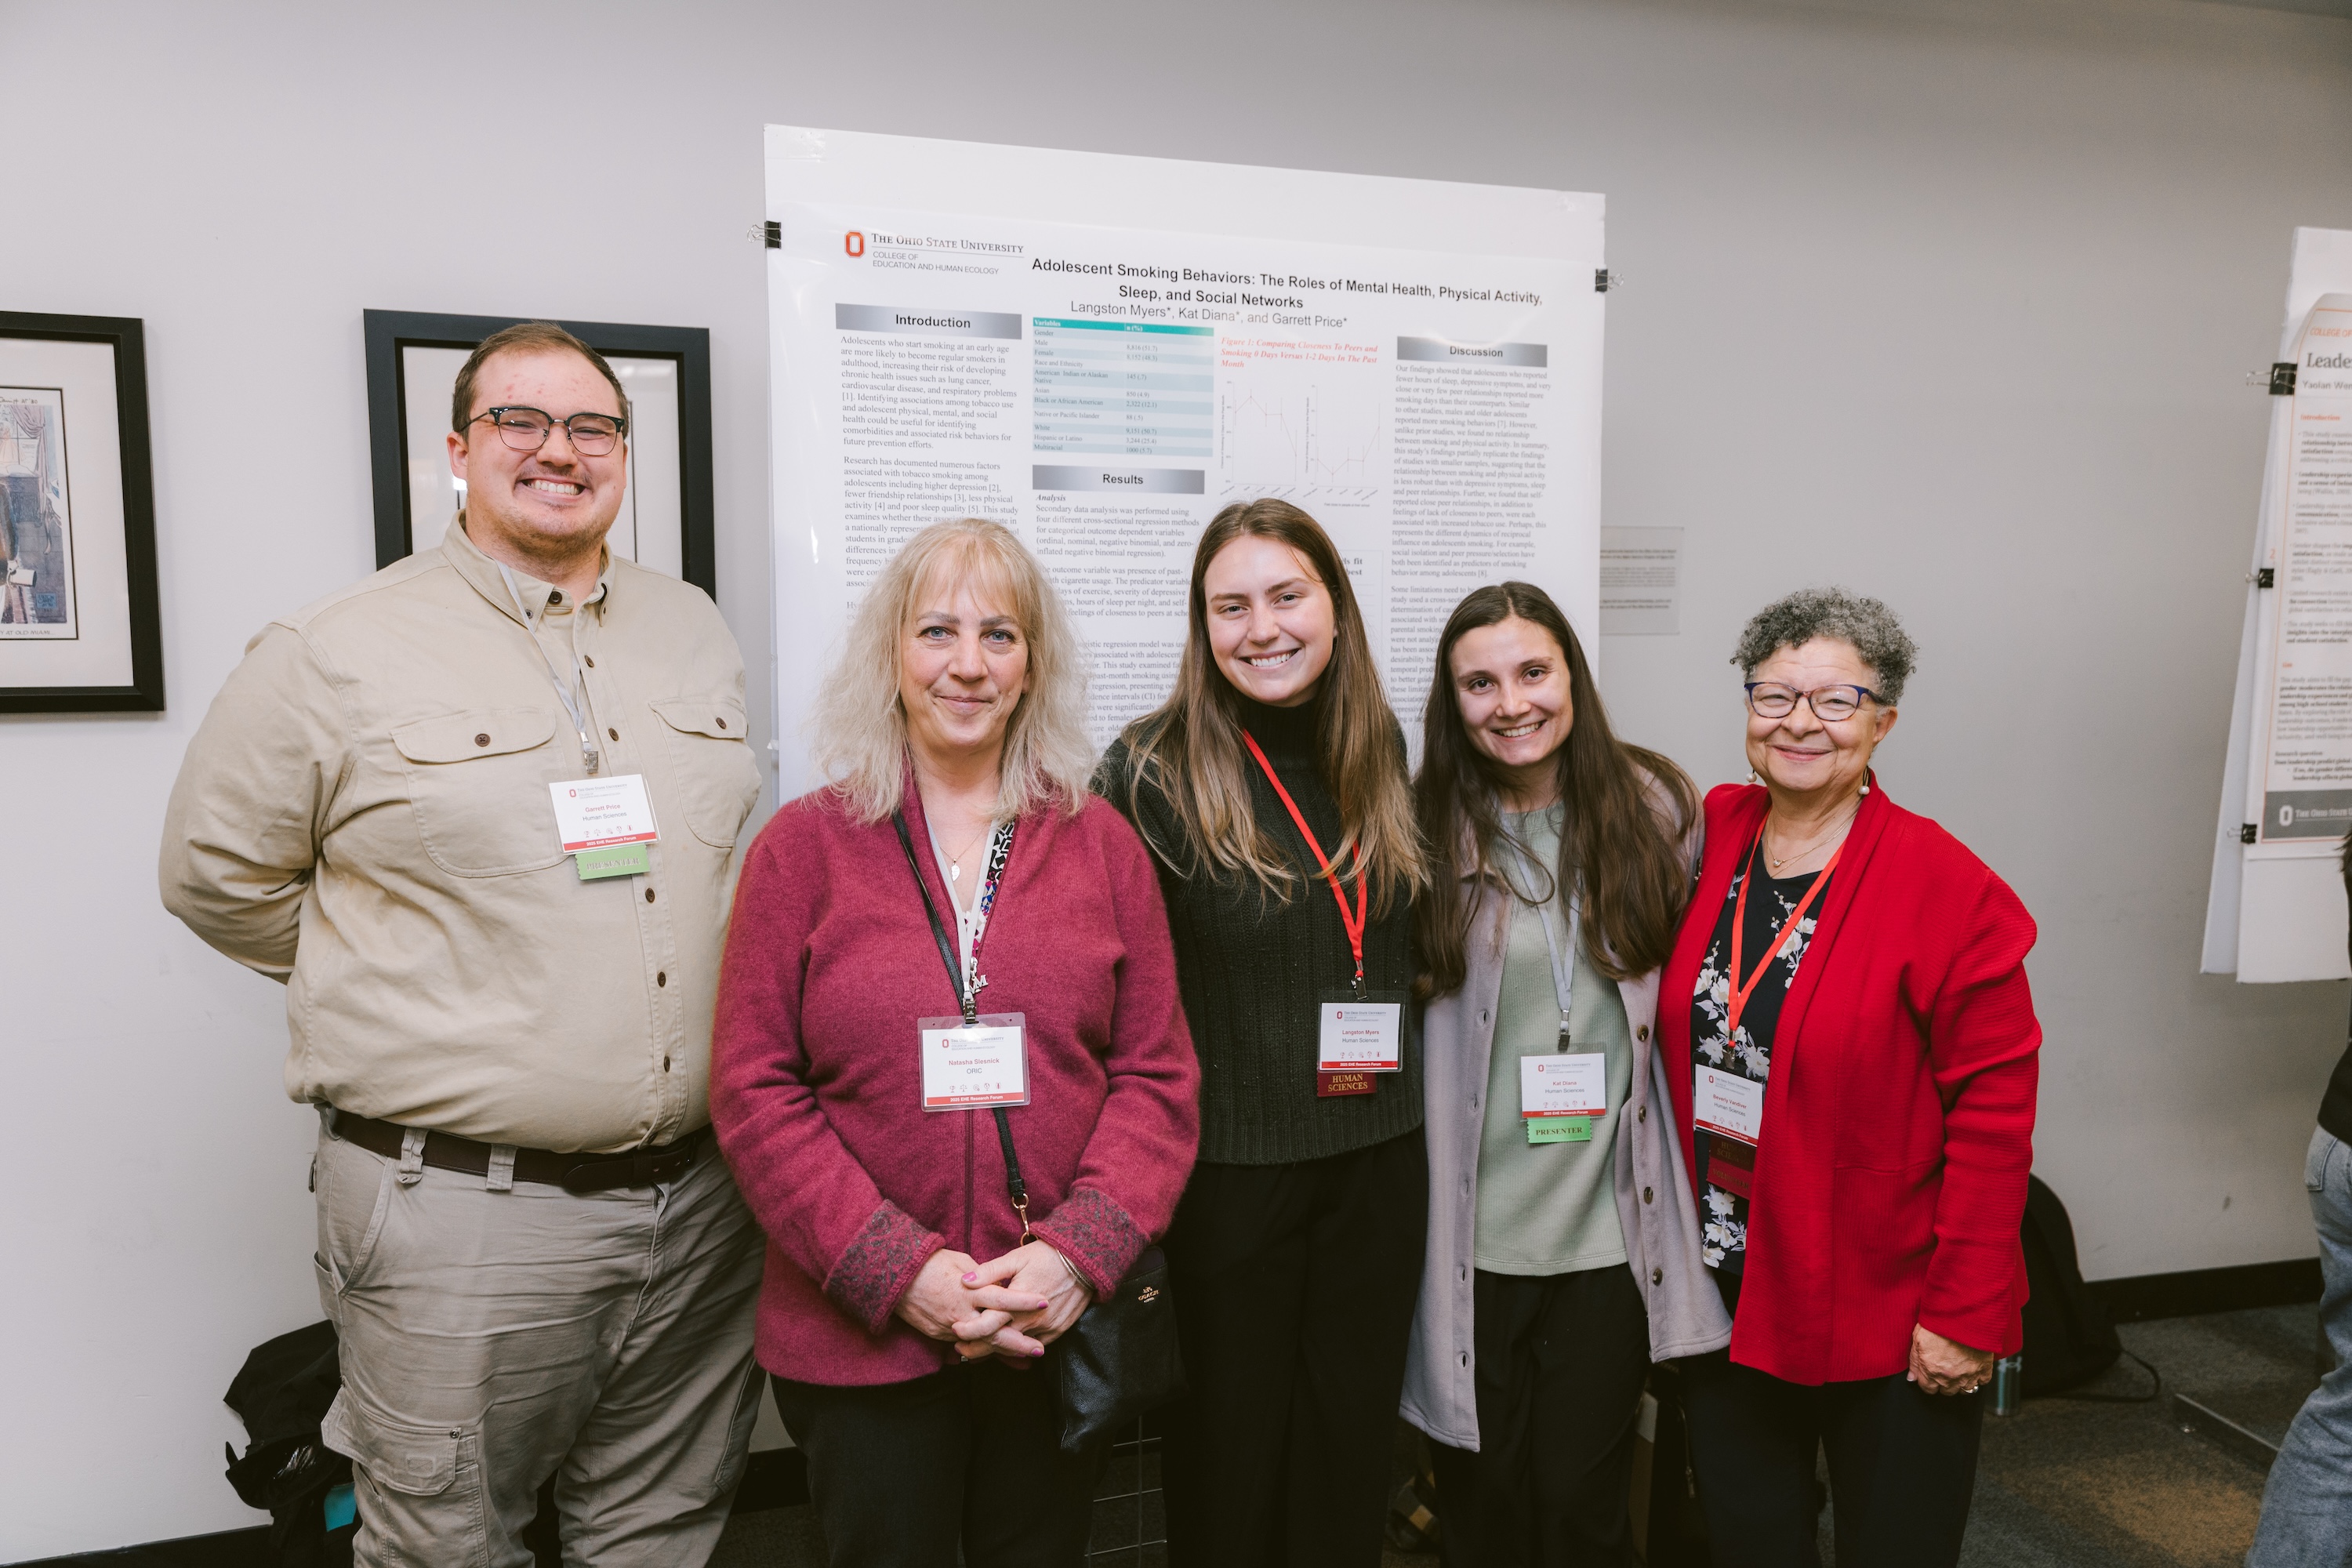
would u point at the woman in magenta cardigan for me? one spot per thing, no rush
(902, 1314)
(1858, 1110)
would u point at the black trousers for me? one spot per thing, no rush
(1903, 1465)
(1295, 1288)
(902, 1473)
(1560, 1363)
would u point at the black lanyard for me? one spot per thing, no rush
(1015, 1187)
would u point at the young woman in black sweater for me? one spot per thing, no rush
(1272, 788)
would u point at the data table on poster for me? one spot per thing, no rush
(1124, 388)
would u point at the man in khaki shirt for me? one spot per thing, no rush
(535, 1259)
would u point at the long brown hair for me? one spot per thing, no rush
(1190, 745)
(1621, 854)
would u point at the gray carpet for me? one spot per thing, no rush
(2123, 1486)
(2063, 1484)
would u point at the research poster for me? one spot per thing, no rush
(1104, 388)
(2277, 910)
(2305, 691)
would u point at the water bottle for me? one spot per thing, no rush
(2008, 1384)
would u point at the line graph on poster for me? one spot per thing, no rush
(1301, 419)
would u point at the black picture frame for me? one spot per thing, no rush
(387, 333)
(126, 335)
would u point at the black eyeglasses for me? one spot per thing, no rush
(1771, 700)
(526, 429)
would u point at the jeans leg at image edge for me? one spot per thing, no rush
(2307, 1504)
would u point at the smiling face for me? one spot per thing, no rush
(549, 505)
(1271, 620)
(1510, 684)
(962, 666)
(1799, 757)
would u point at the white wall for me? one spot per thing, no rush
(1951, 302)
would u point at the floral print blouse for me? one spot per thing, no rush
(1726, 1165)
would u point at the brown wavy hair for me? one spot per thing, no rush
(1618, 849)
(1190, 747)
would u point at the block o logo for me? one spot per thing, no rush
(853, 243)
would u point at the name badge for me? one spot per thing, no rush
(1360, 1036)
(967, 1065)
(1564, 1084)
(1726, 1104)
(602, 823)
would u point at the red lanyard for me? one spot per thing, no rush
(1353, 921)
(1740, 993)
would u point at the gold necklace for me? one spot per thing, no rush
(1776, 862)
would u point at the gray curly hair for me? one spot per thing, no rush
(1809, 613)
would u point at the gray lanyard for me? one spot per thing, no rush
(570, 697)
(1562, 952)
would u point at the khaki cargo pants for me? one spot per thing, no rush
(494, 1337)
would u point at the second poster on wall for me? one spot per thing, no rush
(970, 330)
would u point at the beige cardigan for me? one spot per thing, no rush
(1654, 1206)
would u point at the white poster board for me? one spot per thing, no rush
(1102, 351)
(2277, 910)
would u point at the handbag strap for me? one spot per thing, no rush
(1016, 1188)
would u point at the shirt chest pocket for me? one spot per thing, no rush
(710, 752)
(477, 782)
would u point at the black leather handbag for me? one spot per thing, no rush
(1119, 1361)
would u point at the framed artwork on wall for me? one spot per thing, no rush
(80, 630)
(413, 360)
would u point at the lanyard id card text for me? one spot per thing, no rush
(969, 1065)
(604, 824)
(974, 1061)
(1359, 1033)
(1563, 1093)
(1724, 1103)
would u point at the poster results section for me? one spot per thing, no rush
(1106, 392)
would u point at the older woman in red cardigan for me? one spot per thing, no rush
(1858, 1108)
(903, 1313)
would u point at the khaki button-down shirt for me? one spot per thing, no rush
(364, 814)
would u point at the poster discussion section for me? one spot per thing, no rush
(1105, 389)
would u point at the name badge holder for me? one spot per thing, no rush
(1562, 1094)
(604, 824)
(1359, 1033)
(974, 1061)
(1726, 1104)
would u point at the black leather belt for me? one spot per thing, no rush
(573, 1172)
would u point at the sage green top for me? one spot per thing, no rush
(1549, 1208)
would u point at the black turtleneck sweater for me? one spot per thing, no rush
(1253, 968)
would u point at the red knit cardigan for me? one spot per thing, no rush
(1898, 1117)
(815, 1080)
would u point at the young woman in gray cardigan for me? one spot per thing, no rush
(1563, 1251)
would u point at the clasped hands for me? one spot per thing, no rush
(1939, 1365)
(1014, 1306)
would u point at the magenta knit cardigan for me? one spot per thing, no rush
(815, 1089)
